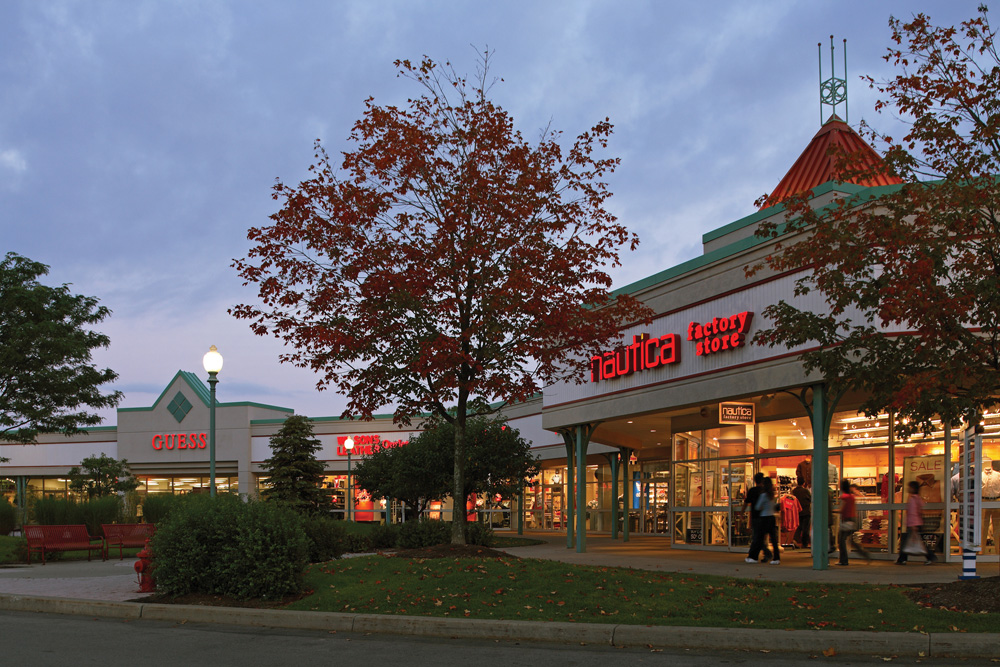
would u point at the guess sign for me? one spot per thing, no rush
(180, 441)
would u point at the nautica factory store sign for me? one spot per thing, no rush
(646, 353)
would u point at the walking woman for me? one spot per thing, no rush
(914, 543)
(848, 523)
(768, 526)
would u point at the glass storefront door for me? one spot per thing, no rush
(738, 478)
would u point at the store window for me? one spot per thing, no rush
(989, 486)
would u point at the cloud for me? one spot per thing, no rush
(13, 160)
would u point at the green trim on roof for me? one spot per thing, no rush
(196, 384)
(252, 404)
(203, 393)
(752, 241)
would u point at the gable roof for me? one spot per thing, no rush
(816, 164)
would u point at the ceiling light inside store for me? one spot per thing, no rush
(861, 418)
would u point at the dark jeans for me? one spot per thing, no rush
(802, 532)
(765, 526)
(846, 537)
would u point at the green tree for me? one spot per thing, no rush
(910, 274)
(416, 474)
(498, 460)
(447, 261)
(102, 476)
(47, 378)
(294, 474)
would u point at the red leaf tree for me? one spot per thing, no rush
(448, 266)
(921, 258)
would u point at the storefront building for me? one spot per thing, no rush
(167, 448)
(663, 436)
(695, 410)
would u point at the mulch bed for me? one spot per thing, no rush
(974, 595)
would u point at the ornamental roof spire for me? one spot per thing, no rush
(833, 91)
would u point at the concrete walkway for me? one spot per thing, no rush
(648, 552)
(110, 589)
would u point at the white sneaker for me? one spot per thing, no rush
(776, 562)
(750, 560)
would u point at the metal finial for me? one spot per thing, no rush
(833, 91)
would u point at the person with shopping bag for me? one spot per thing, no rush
(913, 543)
(848, 524)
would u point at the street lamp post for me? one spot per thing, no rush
(212, 361)
(349, 446)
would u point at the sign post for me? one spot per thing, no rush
(970, 495)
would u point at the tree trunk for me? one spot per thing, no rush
(458, 514)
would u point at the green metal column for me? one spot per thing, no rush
(613, 459)
(21, 498)
(820, 479)
(520, 511)
(568, 507)
(627, 483)
(582, 440)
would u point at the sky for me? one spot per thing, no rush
(140, 140)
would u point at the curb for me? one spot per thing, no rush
(912, 644)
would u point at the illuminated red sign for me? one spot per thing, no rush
(646, 353)
(721, 333)
(180, 441)
(366, 445)
(643, 354)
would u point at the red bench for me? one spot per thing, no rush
(126, 535)
(43, 539)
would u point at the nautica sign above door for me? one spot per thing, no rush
(646, 353)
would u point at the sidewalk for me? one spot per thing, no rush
(109, 588)
(649, 552)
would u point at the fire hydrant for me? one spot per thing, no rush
(144, 569)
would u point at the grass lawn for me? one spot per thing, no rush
(531, 589)
(12, 549)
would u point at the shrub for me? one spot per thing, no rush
(359, 543)
(63, 511)
(156, 506)
(54, 512)
(94, 512)
(384, 536)
(327, 538)
(479, 534)
(417, 534)
(8, 517)
(224, 546)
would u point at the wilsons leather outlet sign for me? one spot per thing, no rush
(646, 353)
(366, 445)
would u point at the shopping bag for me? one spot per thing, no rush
(914, 546)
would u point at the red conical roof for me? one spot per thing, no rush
(816, 166)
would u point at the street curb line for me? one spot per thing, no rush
(803, 641)
(952, 645)
(53, 605)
